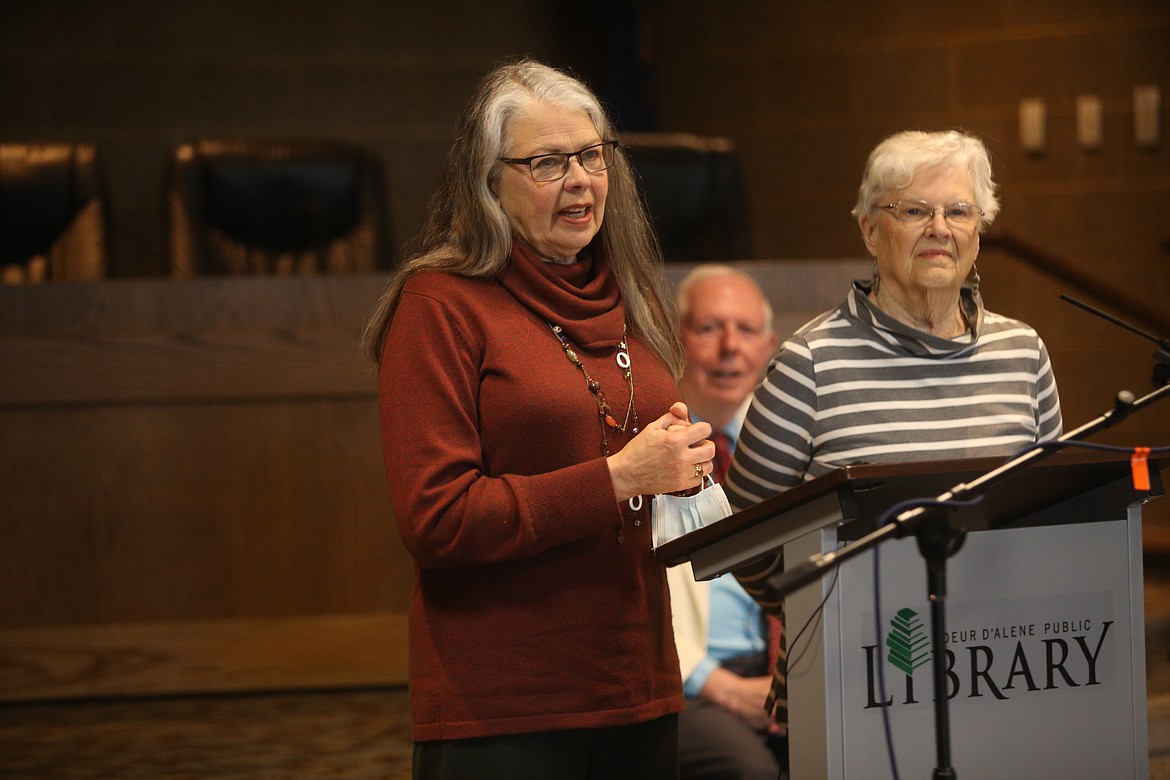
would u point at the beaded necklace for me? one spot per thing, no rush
(604, 413)
(605, 417)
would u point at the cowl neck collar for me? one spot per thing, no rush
(581, 297)
(912, 340)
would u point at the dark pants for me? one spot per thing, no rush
(715, 744)
(645, 751)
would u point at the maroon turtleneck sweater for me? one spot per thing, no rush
(527, 614)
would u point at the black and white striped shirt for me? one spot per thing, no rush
(856, 386)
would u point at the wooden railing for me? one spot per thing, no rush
(1116, 301)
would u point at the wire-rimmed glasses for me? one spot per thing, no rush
(919, 212)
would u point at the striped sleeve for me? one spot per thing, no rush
(774, 447)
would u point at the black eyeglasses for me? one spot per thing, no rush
(550, 167)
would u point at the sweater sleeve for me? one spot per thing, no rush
(450, 511)
(1049, 423)
(775, 445)
(774, 452)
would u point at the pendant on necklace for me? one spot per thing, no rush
(605, 415)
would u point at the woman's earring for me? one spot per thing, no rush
(873, 285)
(975, 279)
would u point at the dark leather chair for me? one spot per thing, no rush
(54, 213)
(695, 194)
(298, 207)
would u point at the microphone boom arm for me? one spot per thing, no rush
(907, 522)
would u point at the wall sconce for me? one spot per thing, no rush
(1090, 134)
(1147, 115)
(1032, 125)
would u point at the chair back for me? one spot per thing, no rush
(695, 193)
(54, 213)
(237, 207)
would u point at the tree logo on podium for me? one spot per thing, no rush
(907, 641)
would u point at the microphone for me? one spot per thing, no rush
(1161, 374)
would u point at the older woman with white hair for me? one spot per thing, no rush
(528, 365)
(911, 366)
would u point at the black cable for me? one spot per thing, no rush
(1089, 445)
(816, 612)
(887, 517)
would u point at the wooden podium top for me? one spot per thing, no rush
(857, 496)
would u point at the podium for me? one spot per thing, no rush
(1045, 639)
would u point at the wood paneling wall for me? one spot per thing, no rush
(194, 494)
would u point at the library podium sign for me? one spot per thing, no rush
(1044, 643)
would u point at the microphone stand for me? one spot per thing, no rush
(938, 539)
(1161, 355)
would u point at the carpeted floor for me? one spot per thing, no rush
(336, 734)
(330, 734)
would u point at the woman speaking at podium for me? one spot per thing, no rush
(911, 366)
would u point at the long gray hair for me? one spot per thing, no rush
(467, 232)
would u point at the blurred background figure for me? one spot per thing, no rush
(721, 634)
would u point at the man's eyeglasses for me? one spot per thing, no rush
(919, 212)
(550, 167)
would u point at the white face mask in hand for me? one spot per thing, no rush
(674, 516)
